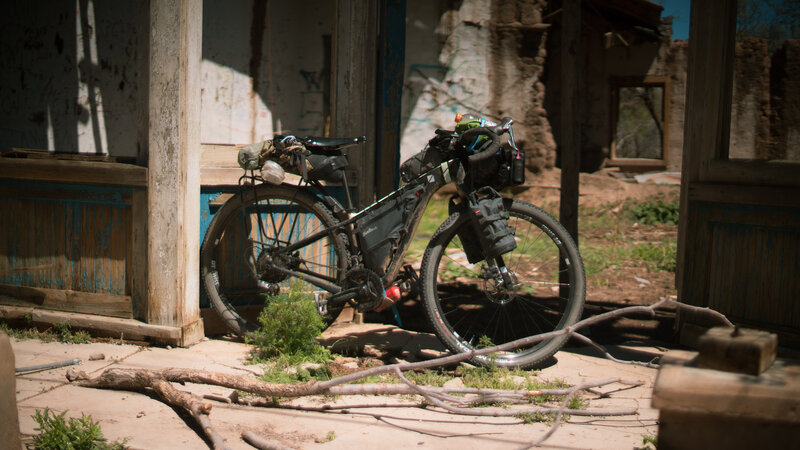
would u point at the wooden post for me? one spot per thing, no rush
(709, 87)
(173, 183)
(354, 59)
(570, 115)
(390, 93)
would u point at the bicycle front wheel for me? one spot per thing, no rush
(242, 247)
(470, 306)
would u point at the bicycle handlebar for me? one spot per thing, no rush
(493, 133)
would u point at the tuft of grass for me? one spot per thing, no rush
(429, 377)
(536, 418)
(56, 432)
(60, 332)
(65, 334)
(658, 257)
(648, 440)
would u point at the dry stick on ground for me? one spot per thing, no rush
(141, 380)
(116, 378)
(260, 443)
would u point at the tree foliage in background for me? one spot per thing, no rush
(775, 20)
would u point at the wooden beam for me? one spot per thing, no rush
(689, 389)
(745, 195)
(173, 184)
(93, 172)
(354, 59)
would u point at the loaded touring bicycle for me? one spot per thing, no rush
(496, 270)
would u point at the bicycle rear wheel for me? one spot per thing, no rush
(470, 309)
(240, 246)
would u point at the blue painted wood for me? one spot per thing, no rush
(64, 235)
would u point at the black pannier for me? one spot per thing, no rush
(490, 224)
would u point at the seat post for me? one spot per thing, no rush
(347, 191)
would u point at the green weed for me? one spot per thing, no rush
(650, 439)
(56, 432)
(429, 377)
(655, 212)
(64, 333)
(60, 332)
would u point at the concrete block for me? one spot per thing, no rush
(737, 350)
(9, 418)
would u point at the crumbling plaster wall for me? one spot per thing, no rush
(785, 92)
(608, 55)
(266, 68)
(765, 116)
(750, 107)
(476, 56)
(446, 67)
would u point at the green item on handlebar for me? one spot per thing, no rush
(466, 125)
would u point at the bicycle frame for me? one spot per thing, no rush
(430, 182)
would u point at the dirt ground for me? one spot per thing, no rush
(602, 193)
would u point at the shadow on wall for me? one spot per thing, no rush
(68, 78)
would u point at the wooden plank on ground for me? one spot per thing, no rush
(99, 325)
(67, 300)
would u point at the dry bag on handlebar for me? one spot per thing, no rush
(490, 222)
(434, 154)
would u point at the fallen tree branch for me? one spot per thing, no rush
(141, 380)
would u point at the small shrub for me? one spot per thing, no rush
(289, 325)
(656, 212)
(58, 433)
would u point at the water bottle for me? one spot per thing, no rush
(518, 168)
(272, 172)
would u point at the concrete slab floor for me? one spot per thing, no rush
(367, 421)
